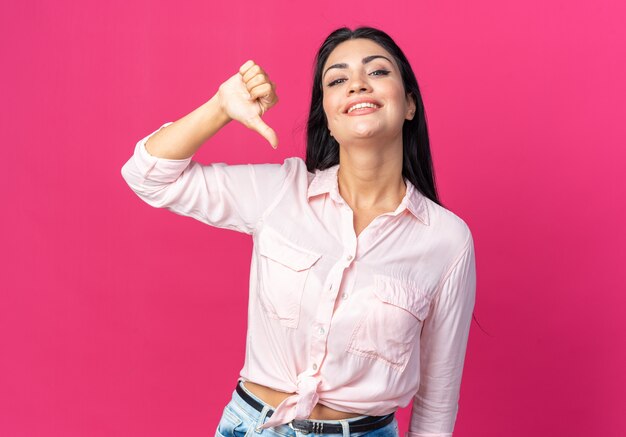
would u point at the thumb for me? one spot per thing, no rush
(258, 125)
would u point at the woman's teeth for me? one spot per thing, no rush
(362, 105)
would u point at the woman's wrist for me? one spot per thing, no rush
(214, 111)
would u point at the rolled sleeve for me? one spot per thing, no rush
(442, 350)
(221, 195)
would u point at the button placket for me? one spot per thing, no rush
(326, 307)
(322, 321)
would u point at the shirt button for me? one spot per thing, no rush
(344, 296)
(314, 366)
(349, 257)
(321, 331)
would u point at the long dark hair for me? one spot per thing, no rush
(322, 150)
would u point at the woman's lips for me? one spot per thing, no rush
(362, 111)
(363, 102)
(363, 107)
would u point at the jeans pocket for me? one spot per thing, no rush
(230, 424)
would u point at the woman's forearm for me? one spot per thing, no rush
(183, 138)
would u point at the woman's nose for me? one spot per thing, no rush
(357, 85)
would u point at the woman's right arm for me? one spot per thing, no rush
(162, 173)
(183, 138)
(244, 97)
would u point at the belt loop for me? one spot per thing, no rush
(345, 426)
(261, 419)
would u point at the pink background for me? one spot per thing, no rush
(117, 319)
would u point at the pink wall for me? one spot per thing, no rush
(117, 319)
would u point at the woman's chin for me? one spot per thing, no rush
(364, 130)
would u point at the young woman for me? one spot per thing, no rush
(362, 285)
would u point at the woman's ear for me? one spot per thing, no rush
(410, 103)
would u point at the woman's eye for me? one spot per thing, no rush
(335, 82)
(380, 72)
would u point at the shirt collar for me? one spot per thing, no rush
(325, 181)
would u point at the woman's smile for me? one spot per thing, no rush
(362, 106)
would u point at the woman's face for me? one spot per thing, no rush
(360, 72)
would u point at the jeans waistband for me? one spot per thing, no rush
(254, 412)
(361, 422)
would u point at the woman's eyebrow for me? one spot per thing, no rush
(364, 61)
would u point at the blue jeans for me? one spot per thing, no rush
(239, 419)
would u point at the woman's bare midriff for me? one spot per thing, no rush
(274, 397)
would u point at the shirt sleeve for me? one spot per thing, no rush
(225, 196)
(442, 350)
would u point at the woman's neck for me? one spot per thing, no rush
(371, 179)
